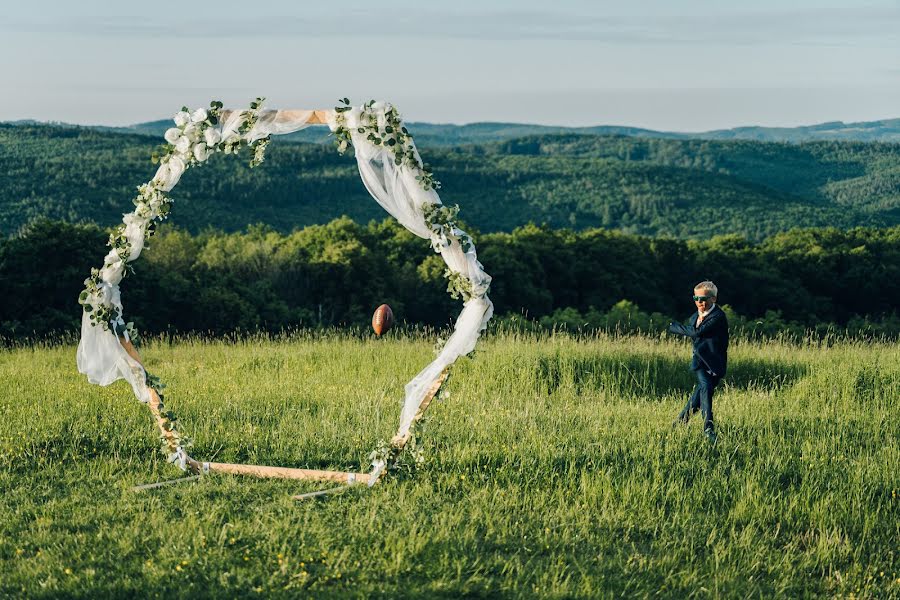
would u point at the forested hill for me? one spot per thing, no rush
(682, 188)
(439, 134)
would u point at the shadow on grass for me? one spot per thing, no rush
(654, 377)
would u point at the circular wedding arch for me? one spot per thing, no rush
(393, 173)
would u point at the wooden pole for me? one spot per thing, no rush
(154, 405)
(286, 473)
(318, 117)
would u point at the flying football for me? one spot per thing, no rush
(383, 319)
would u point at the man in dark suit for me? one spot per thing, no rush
(709, 332)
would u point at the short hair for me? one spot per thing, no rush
(707, 287)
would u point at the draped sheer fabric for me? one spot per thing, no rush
(396, 189)
(100, 356)
(103, 359)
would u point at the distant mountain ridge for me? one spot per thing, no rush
(436, 134)
(661, 187)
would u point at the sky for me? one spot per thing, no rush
(676, 65)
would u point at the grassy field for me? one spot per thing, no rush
(552, 470)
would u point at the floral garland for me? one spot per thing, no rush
(384, 128)
(191, 142)
(391, 135)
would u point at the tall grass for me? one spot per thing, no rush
(552, 470)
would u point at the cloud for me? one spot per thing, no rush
(833, 26)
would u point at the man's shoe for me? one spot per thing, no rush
(711, 435)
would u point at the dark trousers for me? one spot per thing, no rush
(701, 398)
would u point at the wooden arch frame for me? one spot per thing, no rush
(198, 468)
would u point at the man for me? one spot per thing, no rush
(709, 332)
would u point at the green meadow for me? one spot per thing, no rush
(551, 469)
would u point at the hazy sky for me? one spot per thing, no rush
(683, 65)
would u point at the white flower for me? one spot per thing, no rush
(212, 136)
(154, 204)
(198, 116)
(201, 153)
(172, 135)
(192, 132)
(232, 142)
(182, 118)
(143, 210)
(183, 144)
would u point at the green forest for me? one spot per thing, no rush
(809, 281)
(687, 189)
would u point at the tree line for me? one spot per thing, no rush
(337, 273)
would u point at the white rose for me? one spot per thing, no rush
(198, 115)
(183, 144)
(182, 118)
(172, 135)
(201, 153)
(212, 136)
(192, 132)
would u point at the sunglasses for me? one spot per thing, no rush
(703, 298)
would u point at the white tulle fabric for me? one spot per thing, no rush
(103, 359)
(396, 189)
(100, 356)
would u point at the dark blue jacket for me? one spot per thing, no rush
(710, 341)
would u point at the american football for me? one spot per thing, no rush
(382, 319)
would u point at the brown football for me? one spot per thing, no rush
(383, 319)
